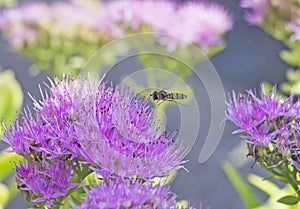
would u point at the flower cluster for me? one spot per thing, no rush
(260, 11)
(196, 22)
(79, 128)
(257, 10)
(281, 19)
(276, 17)
(43, 181)
(126, 194)
(270, 126)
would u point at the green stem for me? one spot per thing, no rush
(291, 180)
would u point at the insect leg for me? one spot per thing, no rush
(171, 100)
(162, 101)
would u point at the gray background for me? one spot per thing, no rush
(250, 57)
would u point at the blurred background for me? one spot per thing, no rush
(250, 56)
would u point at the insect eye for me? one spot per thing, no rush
(155, 96)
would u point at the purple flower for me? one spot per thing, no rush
(271, 104)
(108, 127)
(244, 112)
(269, 124)
(98, 128)
(199, 23)
(44, 181)
(39, 21)
(89, 19)
(195, 22)
(133, 13)
(50, 131)
(119, 136)
(257, 10)
(260, 136)
(123, 193)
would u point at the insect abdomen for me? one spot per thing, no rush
(176, 96)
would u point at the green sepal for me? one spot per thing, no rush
(289, 200)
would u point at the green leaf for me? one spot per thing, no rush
(273, 191)
(268, 178)
(11, 97)
(6, 165)
(214, 49)
(266, 186)
(293, 75)
(288, 200)
(4, 191)
(289, 57)
(242, 188)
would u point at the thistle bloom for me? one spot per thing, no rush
(43, 181)
(50, 131)
(269, 124)
(127, 194)
(119, 136)
(123, 193)
(82, 124)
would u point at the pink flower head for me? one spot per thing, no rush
(120, 137)
(124, 193)
(50, 130)
(268, 122)
(195, 22)
(134, 13)
(44, 181)
(108, 127)
(200, 23)
(257, 10)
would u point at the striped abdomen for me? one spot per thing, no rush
(176, 96)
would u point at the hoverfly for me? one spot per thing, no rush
(163, 96)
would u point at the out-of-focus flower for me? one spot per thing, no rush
(260, 12)
(257, 10)
(202, 24)
(43, 181)
(278, 18)
(64, 35)
(195, 22)
(294, 26)
(128, 194)
(270, 126)
(199, 23)
(57, 19)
